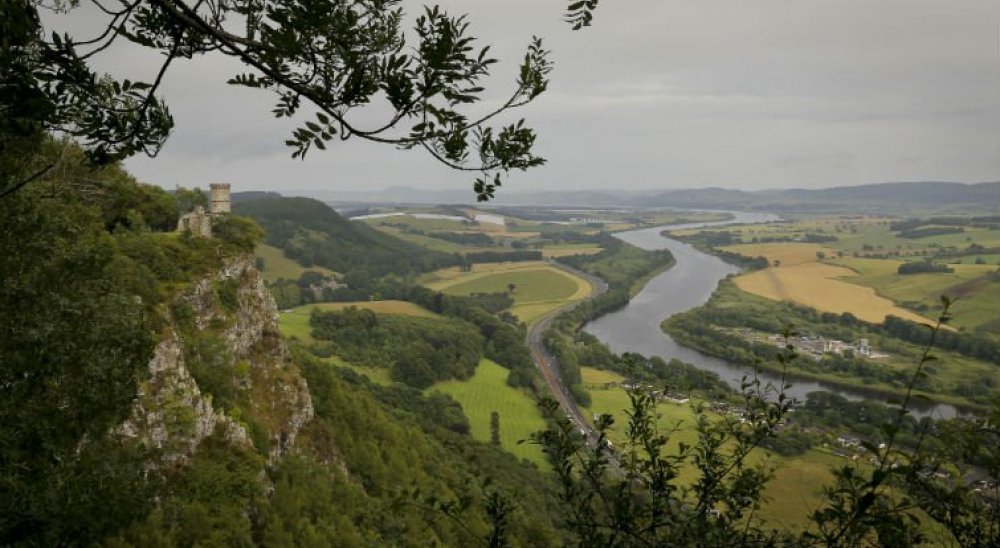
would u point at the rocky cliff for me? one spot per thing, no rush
(220, 368)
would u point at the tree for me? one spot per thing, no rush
(495, 429)
(188, 199)
(510, 288)
(322, 60)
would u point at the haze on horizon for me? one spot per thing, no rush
(666, 94)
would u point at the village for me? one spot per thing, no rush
(811, 346)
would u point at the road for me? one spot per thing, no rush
(548, 365)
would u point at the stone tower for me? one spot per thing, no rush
(220, 198)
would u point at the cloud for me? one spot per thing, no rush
(662, 94)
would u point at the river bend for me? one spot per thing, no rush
(689, 283)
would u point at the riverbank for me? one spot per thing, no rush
(690, 283)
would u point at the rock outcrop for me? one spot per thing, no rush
(267, 400)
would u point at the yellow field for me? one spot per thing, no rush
(540, 287)
(800, 278)
(564, 250)
(969, 310)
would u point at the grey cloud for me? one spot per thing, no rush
(663, 93)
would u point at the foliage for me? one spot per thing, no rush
(917, 233)
(632, 497)
(188, 199)
(920, 267)
(311, 233)
(623, 266)
(419, 351)
(82, 298)
(241, 232)
(713, 329)
(329, 59)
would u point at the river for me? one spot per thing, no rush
(689, 283)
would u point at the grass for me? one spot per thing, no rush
(486, 392)
(793, 493)
(977, 296)
(295, 322)
(277, 266)
(428, 225)
(599, 377)
(435, 244)
(564, 250)
(803, 279)
(949, 379)
(539, 287)
(863, 243)
(378, 375)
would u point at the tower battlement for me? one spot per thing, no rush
(221, 201)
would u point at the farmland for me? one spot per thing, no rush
(977, 297)
(790, 496)
(538, 287)
(486, 392)
(801, 278)
(851, 266)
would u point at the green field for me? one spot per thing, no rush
(295, 322)
(435, 244)
(599, 377)
(790, 497)
(419, 223)
(378, 375)
(977, 296)
(486, 392)
(277, 266)
(539, 288)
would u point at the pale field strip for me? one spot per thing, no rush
(800, 278)
(570, 249)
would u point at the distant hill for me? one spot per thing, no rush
(899, 198)
(875, 198)
(312, 233)
(250, 195)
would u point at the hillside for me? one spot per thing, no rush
(897, 197)
(874, 198)
(150, 400)
(311, 233)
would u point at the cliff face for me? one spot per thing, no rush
(221, 368)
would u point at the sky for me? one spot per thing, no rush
(657, 94)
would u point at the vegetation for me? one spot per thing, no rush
(51, 86)
(312, 234)
(538, 288)
(735, 326)
(486, 393)
(87, 278)
(418, 351)
(625, 268)
(922, 268)
(275, 266)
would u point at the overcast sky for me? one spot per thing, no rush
(659, 94)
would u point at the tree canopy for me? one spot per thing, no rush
(323, 60)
